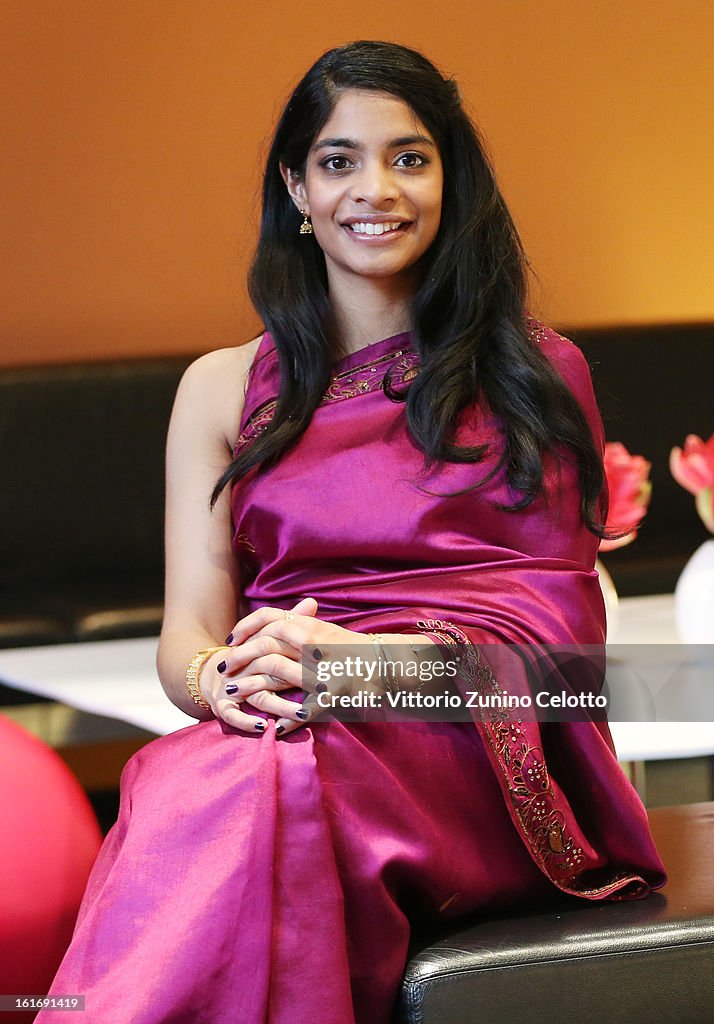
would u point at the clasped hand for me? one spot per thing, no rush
(265, 657)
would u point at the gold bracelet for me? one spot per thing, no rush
(390, 684)
(192, 673)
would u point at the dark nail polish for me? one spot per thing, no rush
(280, 728)
(317, 653)
(320, 687)
(232, 688)
(229, 638)
(221, 667)
(302, 714)
(260, 726)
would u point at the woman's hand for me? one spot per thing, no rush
(269, 656)
(226, 688)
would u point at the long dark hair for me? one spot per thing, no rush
(468, 314)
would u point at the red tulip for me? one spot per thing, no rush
(630, 490)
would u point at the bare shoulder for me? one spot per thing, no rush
(214, 386)
(222, 365)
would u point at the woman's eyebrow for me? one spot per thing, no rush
(404, 140)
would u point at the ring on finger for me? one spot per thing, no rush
(290, 616)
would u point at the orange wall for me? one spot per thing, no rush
(134, 131)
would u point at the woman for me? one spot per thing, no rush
(405, 451)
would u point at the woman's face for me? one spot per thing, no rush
(372, 187)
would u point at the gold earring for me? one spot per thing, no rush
(306, 226)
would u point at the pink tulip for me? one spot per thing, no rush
(693, 468)
(630, 490)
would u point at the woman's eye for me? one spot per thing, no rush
(413, 159)
(335, 163)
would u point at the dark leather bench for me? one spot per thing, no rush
(647, 961)
(81, 514)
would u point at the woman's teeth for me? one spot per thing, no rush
(374, 229)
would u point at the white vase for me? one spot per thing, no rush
(694, 597)
(612, 601)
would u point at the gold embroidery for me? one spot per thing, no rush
(448, 902)
(242, 540)
(534, 803)
(540, 333)
(526, 773)
(358, 380)
(362, 379)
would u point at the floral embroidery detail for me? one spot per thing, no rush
(534, 800)
(362, 379)
(525, 769)
(359, 380)
(529, 784)
(449, 635)
(257, 423)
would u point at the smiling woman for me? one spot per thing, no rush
(410, 466)
(372, 186)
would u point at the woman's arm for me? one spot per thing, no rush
(201, 583)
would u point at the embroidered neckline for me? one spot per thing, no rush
(376, 349)
(358, 380)
(366, 377)
(348, 383)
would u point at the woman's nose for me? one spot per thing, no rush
(375, 184)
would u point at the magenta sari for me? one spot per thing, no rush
(276, 881)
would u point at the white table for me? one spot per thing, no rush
(113, 678)
(117, 679)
